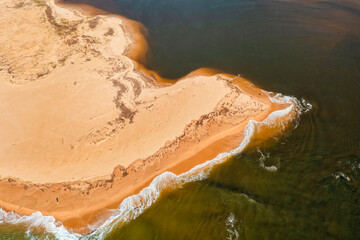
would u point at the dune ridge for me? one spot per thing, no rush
(84, 125)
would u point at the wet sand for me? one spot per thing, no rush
(84, 125)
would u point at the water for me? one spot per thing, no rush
(309, 49)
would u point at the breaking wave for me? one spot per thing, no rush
(133, 206)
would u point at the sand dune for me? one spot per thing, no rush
(83, 125)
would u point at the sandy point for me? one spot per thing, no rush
(84, 124)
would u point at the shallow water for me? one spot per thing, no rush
(309, 49)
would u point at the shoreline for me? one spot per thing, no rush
(178, 156)
(137, 52)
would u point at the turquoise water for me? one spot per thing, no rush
(309, 49)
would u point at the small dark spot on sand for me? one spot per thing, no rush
(110, 32)
(94, 22)
(19, 5)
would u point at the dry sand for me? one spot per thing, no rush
(83, 125)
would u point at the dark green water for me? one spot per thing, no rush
(308, 49)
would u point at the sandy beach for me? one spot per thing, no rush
(84, 124)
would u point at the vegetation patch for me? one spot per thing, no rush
(39, 3)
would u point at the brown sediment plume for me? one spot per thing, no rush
(86, 125)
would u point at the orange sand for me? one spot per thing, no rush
(84, 125)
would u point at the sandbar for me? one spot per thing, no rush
(83, 124)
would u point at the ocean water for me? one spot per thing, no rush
(304, 184)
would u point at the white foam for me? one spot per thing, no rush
(262, 159)
(341, 176)
(37, 221)
(231, 227)
(133, 206)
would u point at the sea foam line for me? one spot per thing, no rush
(133, 206)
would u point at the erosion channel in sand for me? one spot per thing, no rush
(84, 125)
